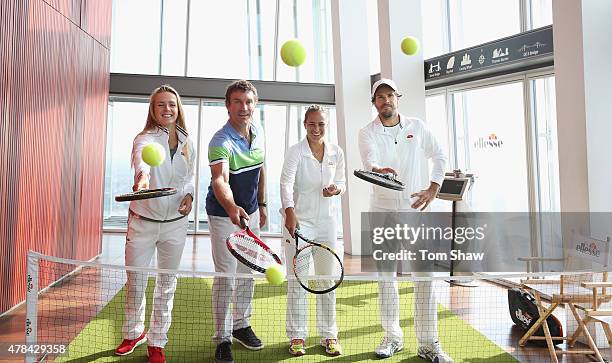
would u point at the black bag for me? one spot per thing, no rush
(524, 313)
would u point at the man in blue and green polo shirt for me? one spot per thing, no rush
(236, 157)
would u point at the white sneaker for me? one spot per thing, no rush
(434, 353)
(388, 347)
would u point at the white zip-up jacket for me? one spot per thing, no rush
(303, 179)
(407, 154)
(176, 172)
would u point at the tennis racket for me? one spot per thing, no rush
(250, 249)
(145, 194)
(303, 266)
(383, 180)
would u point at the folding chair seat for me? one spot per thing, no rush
(589, 292)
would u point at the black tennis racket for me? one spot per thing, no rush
(250, 249)
(383, 180)
(316, 282)
(145, 194)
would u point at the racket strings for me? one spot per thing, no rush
(384, 177)
(317, 268)
(384, 180)
(145, 194)
(252, 251)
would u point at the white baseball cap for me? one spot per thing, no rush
(380, 82)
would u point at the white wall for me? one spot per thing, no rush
(583, 78)
(353, 108)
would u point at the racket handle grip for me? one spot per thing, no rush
(243, 222)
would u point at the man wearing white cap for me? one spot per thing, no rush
(394, 143)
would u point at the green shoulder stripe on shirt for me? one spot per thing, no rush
(217, 153)
(244, 160)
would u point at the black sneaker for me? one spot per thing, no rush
(246, 336)
(223, 354)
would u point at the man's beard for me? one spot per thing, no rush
(388, 114)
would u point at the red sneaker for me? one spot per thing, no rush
(128, 345)
(156, 354)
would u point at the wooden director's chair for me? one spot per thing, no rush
(589, 292)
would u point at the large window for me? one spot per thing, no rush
(373, 44)
(215, 116)
(450, 25)
(126, 118)
(546, 147)
(435, 110)
(541, 13)
(435, 31)
(435, 28)
(546, 162)
(221, 39)
(505, 132)
(173, 37)
(490, 136)
(479, 21)
(282, 124)
(310, 22)
(273, 119)
(135, 44)
(238, 38)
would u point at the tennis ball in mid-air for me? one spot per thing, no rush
(293, 53)
(274, 275)
(410, 45)
(153, 154)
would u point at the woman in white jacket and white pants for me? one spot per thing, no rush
(313, 173)
(158, 224)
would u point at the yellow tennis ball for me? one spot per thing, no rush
(153, 154)
(410, 45)
(293, 53)
(274, 274)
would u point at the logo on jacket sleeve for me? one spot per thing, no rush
(409, 136)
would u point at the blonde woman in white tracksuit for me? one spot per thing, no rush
(393, 143)
(313, 174)
(157, 224)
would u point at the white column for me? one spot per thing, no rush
(571, 117)
(583, 77)
(398, 19)
(597, 30)
(353, 107)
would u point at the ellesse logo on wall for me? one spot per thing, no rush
(492, 141)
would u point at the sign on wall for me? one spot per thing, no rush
(500, 54)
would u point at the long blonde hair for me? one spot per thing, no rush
(180, 119)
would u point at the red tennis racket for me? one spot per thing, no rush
(250, 250)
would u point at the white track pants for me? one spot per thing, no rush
(297, 299)
(425, 313)
(228, 290)
(143, 238)
(425, 308)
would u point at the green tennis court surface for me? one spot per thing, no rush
(357, 317)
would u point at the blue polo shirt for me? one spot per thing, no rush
(245, 162)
